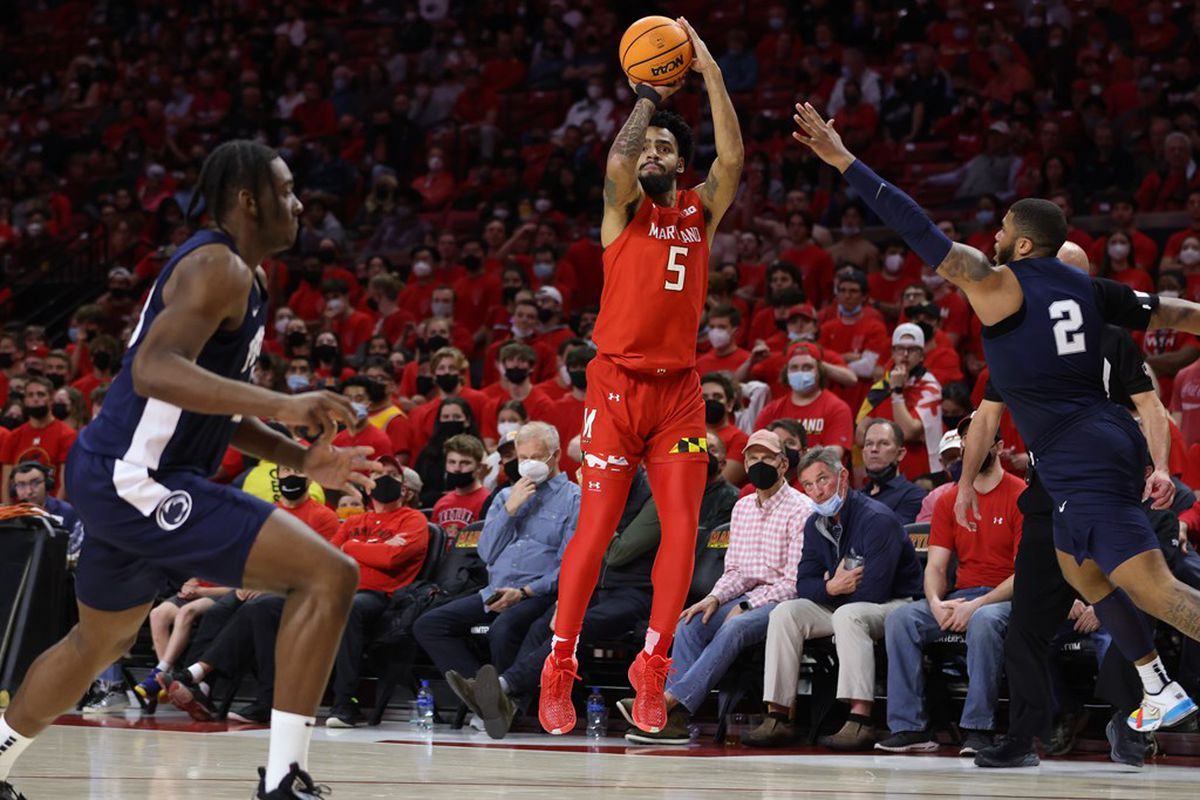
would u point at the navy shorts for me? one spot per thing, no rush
(1095, 473)
(143, 527)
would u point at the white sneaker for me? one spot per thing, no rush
(113, 701)
(1166, 709)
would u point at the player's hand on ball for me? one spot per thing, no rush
(701, 59)
(664, 91)
(707, 607)
(316, 411)
(339, 467)
(1159, 488)
(820, 137)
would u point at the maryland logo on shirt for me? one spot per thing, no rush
(691, 444)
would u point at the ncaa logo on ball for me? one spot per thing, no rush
(174, 510)
(667, 67)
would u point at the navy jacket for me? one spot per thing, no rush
(890, 566)
(900, 495)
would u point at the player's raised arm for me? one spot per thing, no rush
(1176, 313)
(964, 266)
(621, 186)
(720, 187)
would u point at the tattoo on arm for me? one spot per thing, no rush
(610, 192)
(1178, 314)
(965, 263)
(632, 135)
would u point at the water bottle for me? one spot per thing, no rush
(425, 707)
(597, 715)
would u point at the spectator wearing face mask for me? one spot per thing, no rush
(437, 185)
(859, 338)
(768, 358)
(1143, 251)
(559, 384)
(454, 417)
(362, 434)
(950, 450)
(721, 395)
(1119, 263)
(56, 367)
(352, 327)
(449, 375)
(899, 271)
(912, 397)
(940, 356)
(1173, 252)
(824, 416)
(385, 415)
(527, 529)
(550, 272)
(523, 328)
(883, 450)
(1167, 351)
(392, 321)
(478, 289)
(724, 325)
(552, 326)
(956, 316)
(297, 496)
(105, 357)
(517, 363)
(462, 504)
(566, 413)
(815, 264)
(417, 297)
(442, 304)
(783, 290)
(119, 303)
(43, 438)
(329, 367)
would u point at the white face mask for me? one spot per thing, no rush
(335, 305)
(1189, 256)
(719, 337)
(281, 325)
(422, 269)
(441, 308)
(892, 262)
(1118, 250)
(534, 470)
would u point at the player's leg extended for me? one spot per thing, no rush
(319, 583)
(1164, 701)
(63, 673)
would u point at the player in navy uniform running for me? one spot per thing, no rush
(1043, 324)
(138, 474)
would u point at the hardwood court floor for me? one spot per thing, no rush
(167, 757)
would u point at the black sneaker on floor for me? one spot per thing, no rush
(974, 741)
(465, 689)
(9, 792)
(495, 708)
(346, 715)
(1012, 753)
(909, 742)
(1126, 746)
(297, 785)
(252, 713)
(186, 695)
(1066, 731)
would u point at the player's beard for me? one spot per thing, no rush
(1004, 255)
(657, 184)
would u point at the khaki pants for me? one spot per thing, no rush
(855, 628)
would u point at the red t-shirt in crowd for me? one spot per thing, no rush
(1185, 398)
(1163, 341)
(734, 439)
(711, 362)
(816, 270)
(319, 517)
(956, 314)
(385, 565)
(865, 335)
(985, 556)
(454, 511)
(826, 420)
(566, 415)
(370, 436)
(48, 445)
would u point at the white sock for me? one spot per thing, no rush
(290, 737)
(204, 687)
(1154, 676)
(163, 666)
(504, 685)
(12, 744)
(197, 672)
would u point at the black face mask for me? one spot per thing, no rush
(102, 361)
(545, 315)
(951, 421)
(57, 381)
(578, 378)
(714, 466)
(34, 372)
(11, 422)
(448, 383)
(60, 410)
(509, 293)
(293, 487)
(424, 384)
(37, 412)
(714, 412)
(781, 324)
(516, 375)
(372, 304)
(435, 343)
(512, 469)
(453, 428)
(325, 352)
(793, 457)
(471, 263)
(6, 360)
(313, 276)
(763, 475)
(297, 339)
(119, 294)
(880, 477)
(387, 490)
(458, 480)
(912, 312)
(326, 256)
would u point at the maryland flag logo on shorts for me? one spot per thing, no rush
(691, 444)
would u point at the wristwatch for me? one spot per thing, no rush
(745, 605)
(525, 595)
(897, 391)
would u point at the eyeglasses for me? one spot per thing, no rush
(33, 484)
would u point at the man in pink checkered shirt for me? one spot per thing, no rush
(766, 537)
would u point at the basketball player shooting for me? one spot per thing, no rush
(1043, 324)
(643, 394)
(138, 475)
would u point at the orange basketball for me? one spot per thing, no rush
(656, 50)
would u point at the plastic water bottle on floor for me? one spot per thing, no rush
(425, 708)
(597, 715)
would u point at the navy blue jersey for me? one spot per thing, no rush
(150, 434)
(1047, 359)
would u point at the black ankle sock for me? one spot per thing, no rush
(782, 716)
(859, 718)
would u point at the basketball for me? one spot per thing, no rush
(656, 50)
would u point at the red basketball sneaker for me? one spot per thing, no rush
(648, 676)
(556, 712)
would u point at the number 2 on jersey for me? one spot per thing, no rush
(675, 284)
(1068, 339)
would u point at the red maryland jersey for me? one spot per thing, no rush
(655, 284)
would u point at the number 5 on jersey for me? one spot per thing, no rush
(678, 271)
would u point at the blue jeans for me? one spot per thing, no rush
(703, 653)
(910, 628)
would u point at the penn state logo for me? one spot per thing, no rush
(174, 510)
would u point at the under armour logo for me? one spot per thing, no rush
(616, 398)
(1063, 506)
(997, 520)
(593, 486)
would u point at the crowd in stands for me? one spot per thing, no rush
(448, 275)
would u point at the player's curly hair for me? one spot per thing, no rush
(680, 130)
(233, 166)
